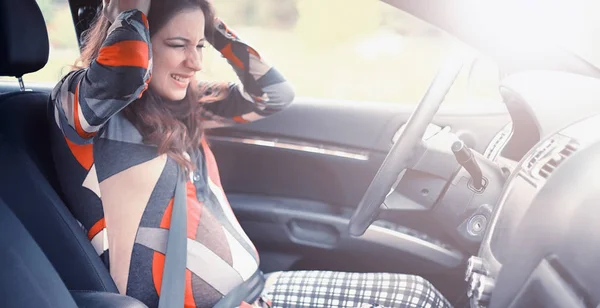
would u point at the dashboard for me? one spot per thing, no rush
(498, 143)
(544, 133)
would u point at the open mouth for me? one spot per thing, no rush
(180, 80)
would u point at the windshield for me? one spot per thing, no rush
(578, 28)
(540, 27)
(357, 50)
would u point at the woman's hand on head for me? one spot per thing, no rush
(112, 8)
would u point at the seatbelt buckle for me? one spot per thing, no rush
(261, 302)
(265, 301)
(245, 305)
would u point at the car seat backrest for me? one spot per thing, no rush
(28, 279)
(27, 177)
(49, 221)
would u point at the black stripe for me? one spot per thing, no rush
(140, 284)
(251, 85)
(112, 157)
(122, 34)
(235, 104)
(105, 257)
(106, 82)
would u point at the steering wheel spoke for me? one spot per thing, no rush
(400, 157)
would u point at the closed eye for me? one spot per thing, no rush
(177, 42)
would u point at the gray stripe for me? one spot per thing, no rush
(118, 128)
(280, 95)
(97, 109)
(153, 238)
(69, 131)
(211, 268)
(200, 260)
(140, 28)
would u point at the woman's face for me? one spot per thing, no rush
(177, 54)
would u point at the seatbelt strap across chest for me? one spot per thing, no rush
(172, 289)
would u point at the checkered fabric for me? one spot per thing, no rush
(340, 289)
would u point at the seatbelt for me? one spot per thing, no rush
(249, 291)
(172, 288)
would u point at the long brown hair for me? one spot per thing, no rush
(174, 127)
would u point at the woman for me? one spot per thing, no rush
(132, 117)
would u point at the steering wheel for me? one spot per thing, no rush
(401, 153)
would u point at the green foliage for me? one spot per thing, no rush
(60, 28)
(321, 22)
(265, 13)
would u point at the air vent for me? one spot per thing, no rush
(540, 153)
(491, 150)
(498, 142)
(556, 159)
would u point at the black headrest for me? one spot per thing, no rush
(23, 38)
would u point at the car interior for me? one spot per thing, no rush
(494, 204)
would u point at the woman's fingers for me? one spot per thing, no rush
(141, 5)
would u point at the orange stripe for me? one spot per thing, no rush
(194, 208)
(84, 154)
(227, 52)
(188, 301)
(166, 219)
(124, 53)
(145, 20)
(82, 133)
(96, 228)
(193, 212)
(239, 119)
(257, 98)
(158, 264)
(158, 261)
(145, 86)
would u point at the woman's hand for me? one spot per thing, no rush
(112, 8)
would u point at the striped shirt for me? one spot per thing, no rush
(121, 190)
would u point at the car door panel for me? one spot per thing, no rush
(365, 125)
(294, 195)
(281, 221)
(296, 153)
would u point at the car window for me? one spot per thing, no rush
(64, 50)
(361, 50)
